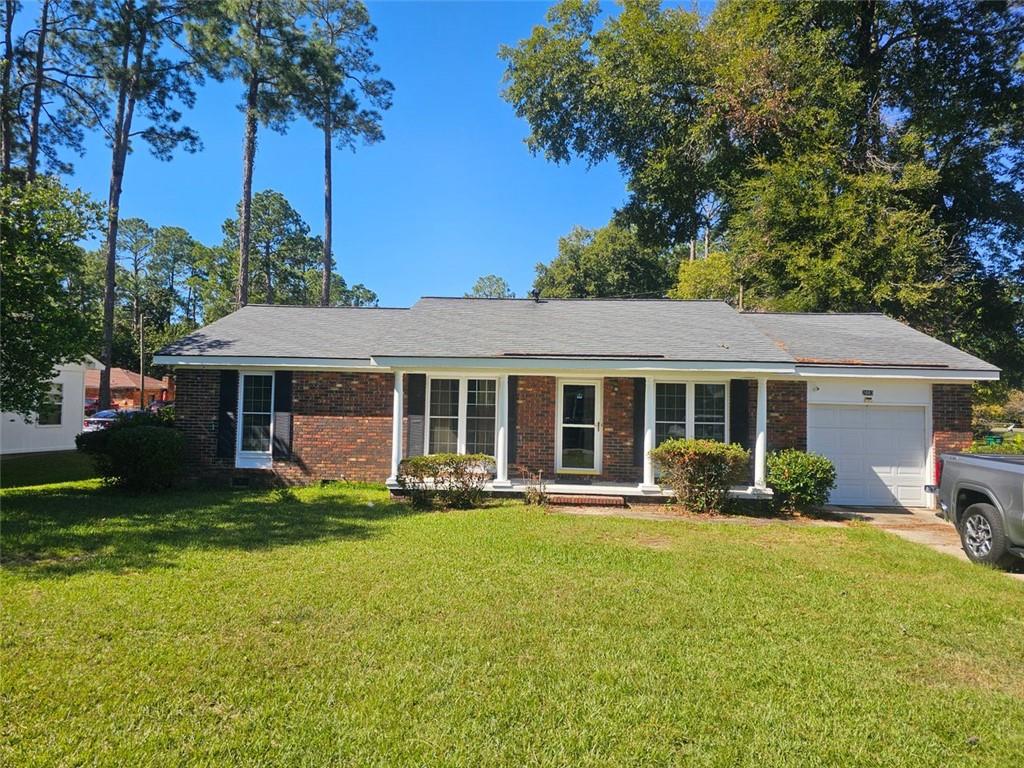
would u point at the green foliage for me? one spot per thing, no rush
(713, 277)
(491, 287)
(701, 471)
(445, 479)
(844, 155)
(606, 262)
(142, 454)
(801, 482)
(1012, 445)
(42, 224)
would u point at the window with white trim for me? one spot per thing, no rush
(462, 415)
(443, 424)
(51, 413)
(669, 412)
(257, 412)
(709, 412)
(481, 415)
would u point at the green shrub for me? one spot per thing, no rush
(1012, 445)
(701, 471)
(445, 479)
(142, 453)
(801, 481)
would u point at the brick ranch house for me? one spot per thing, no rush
(578, 390)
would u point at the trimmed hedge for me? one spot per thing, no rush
(701, 471)
(445, 479)
(801, 481)
(141, 453)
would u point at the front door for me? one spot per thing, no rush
(579, 427)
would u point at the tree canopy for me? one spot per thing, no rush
(491, 287)
(840, 156)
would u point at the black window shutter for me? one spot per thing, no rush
(282, 415)
(639, 396)
(226, 409)
(417, 394)
(739, 420)
(513, 409)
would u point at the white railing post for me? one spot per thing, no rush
(501, 437)
(761, 440)
(396, 430)
(648, 484)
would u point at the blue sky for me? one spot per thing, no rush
(451, 194)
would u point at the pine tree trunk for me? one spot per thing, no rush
(245, 215)
(37, 93)
(6, 105)
(325, 289)
(122, 132)
(268, 268)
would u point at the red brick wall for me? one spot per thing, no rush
(951, 417)
(617, 463)
(195, 414)
(535, 426)
(341, 427)
(787, 415)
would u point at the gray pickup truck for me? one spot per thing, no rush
(983, 496)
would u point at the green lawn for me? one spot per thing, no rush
(331, 627)
(39, 468)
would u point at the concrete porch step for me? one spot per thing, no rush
(585, 500)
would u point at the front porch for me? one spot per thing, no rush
(580, 432)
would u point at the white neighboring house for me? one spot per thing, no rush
(55, 429)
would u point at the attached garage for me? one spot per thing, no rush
(880, 452)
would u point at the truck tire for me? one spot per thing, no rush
(982, 536)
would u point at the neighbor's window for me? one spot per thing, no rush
(50, 413)
(444, 416)
(257, 412)
(669, 412)
(481, 411)
(709, 412)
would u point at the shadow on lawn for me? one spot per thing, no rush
(70, 530)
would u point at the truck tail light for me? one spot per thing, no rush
(938, 471)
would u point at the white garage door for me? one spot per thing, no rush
(880, 452)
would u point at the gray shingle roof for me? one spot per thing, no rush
(258, 330)
(565, 328)
(608, 328)
(860, 339)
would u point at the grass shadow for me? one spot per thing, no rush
(78, 528)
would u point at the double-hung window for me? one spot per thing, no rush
(693, 410)
(256, 417)
(51, 413)
(461, 415)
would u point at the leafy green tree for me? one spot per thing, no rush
(126, 46)
(39, 234)
(342, 97)
(845, 155)
(258, 42)
(606, 262)
(491, 287)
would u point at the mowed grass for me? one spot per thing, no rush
(26, 469)
(331, 627)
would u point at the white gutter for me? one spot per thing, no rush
(289, 363)
(882, 372)
(547, 365)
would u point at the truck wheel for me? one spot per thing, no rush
(982, 536)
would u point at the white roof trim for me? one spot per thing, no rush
(878, 372)
(547, 365)
(290, 363)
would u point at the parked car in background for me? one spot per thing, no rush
(103, 419)
(982, 496)
(92, 404)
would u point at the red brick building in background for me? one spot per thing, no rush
(125, 390)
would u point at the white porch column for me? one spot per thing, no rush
(761, 441)
(648, 484)
(501, 437)
(396, 430)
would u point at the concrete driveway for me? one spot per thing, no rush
(921, 526)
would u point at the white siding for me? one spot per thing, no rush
(20, 436)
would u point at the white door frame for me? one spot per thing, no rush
(598, 385)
